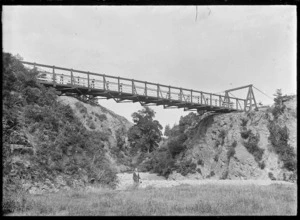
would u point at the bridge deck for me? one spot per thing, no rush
(123, 89)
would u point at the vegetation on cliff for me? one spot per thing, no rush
(279, 134)
(230, 145)
(42, 138)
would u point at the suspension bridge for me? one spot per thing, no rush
(94, 85)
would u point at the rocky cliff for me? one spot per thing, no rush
(111, 126)
(106, 146)
(240, 146)
(53, 142)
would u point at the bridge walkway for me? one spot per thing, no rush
(121, 89)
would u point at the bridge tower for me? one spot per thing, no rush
(249, 102)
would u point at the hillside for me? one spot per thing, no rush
(53, 142)
(111, 126)
(238, 146)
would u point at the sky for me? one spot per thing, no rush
(206, 48)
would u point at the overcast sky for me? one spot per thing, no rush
(225, 47)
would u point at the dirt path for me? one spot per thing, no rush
(153, 180)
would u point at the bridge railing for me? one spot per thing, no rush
(77, 78)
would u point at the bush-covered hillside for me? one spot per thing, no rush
(253, 145)
(45, 146)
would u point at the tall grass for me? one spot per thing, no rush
(180, 200)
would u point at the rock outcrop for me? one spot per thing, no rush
(113, 130)
(220, 146)
(113, 127)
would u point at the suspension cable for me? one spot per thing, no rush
(263, 93)
(219, 92)
(232, 94)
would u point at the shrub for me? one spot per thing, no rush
(231, 150)
(271, 176)
(176, 145)
(211, 174)
(222, 135)
(217, 142)
(200, 162)
(193, 166)
(13, 198)
(244, 122)
(252, 147)
(101, 117)
(224, 175)
(187, 167)
(234, 144)
(199, 170)
(279, 140)
(162, 163)
(92, 125)
(82, 109)
(216, 158)
(245, 133)
(262, 165)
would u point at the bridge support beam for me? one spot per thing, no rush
(92, 85)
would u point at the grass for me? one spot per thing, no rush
(180, 200)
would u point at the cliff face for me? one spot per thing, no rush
(107, 154)
(112, 127)
(53, 143)
(237, 146)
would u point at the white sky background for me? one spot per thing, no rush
(227, 47)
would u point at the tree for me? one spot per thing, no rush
(187, 121)
(279, 106)
(278, 96)
(146, 133)
(167, 130)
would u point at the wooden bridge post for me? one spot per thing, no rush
(220, 101)
(250, 99)
(158, 91)
(191, 96)
(210, 99)
(236, 102)
(72, 76)
(253, 98)
(118, 84)
(201, 97)
(226, 99)
(181, 94)
(169, 92)
(54, 76)
(88, 77)
(132, 85)
(146, 89)
(104, 82)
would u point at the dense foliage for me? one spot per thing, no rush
(51, 138)
(279, 106)
(163, 159)
(167, 131)
(146, 133)
(279, 135)
(279, 140)
(252, 146)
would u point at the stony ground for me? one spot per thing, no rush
(149, 180)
